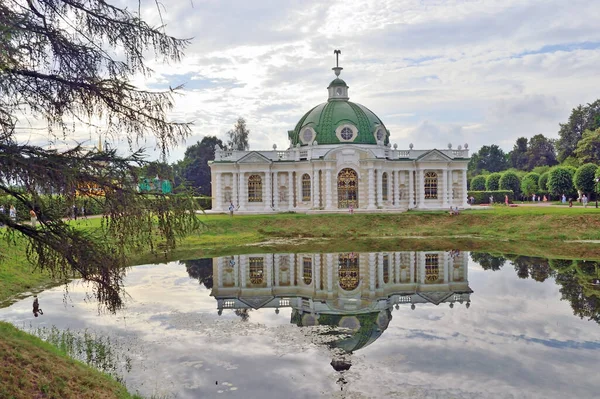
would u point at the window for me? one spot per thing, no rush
(431, 185)
(384, 188)
(307, 270)
(379, 134)
(307, 136)
(348, 271)
(347, 133)
(305, 187)
(432, 269)
(339, 91)
(255, 188)
(256, 270)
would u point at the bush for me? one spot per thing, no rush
(543, 181)
(483, 197)
(478, 183)
(492, 182)
(511, 182)
(560, 181)
(584, 178)
(529, 184)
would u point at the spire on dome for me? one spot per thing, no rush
(337, 69)
(338, 89)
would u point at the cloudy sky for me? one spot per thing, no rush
(436, 72)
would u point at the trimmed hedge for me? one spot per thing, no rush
(57, 206)
(510, 182)
(492, 182)
(483, 197)
(478, 183)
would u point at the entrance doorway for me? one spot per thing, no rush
(347, 185)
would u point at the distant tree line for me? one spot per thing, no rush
(545, 166)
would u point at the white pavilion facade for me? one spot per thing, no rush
(340, 157)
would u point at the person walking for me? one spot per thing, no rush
(584, 200)
(12, 213)
(564, 199)
(33, 217)
(231, 209)
(506, 200)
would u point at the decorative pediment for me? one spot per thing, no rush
(434, 156)
(257, 302)
(435, 297)
(254, 157)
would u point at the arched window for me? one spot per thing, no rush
(256, 270)
(432, 268)
(307, 270)
(305, 187)
(384, 184)
(348, 271)
(431, 181)
(255, 188)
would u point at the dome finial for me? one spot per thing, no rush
(337, 69)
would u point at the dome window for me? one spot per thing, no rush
(347, 133)
(379, 134)
(308, 135)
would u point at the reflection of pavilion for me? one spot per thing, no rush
(339, 283)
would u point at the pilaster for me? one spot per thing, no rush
(411, 189)
(371, 188)
(267, 193)
(328, 190)
(276, 190)
(290, 190)
(397, 189)
(379, 187)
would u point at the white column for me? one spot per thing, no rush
(276, 190)
(463, 201)
(292, 271)
(317, 272)
(372, 276)
(446, 262)
(269, 267)
(243, 192)
(411, 190)
(220, 271)
(397, 266)
(445, 188)
(465, 264)
(218, 195)
(299, 188)
(234, 189)
(328, 190)
(371, 188)
(329, 273)
(420, 186)
(267, 197)
(236, 271)
(380, 187)
(290, 191)
(397, 189)
(411, 256)
(316, 186)
(380, 269)
(276, 268)
(243, 265)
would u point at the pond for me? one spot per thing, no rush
(434, 324)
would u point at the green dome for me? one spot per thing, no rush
(326, 119)
(337, 82)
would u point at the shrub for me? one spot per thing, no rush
(560, 181)
(543, 182)
(584, 178)
(483, 197)
(529, 184)
(478, 183)
(510, 181)
(492, 182)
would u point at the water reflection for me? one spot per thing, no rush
(579, 280)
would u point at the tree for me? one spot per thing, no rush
(478, 183)
(588, 148)
(543, 181)
(518, 156)
(582, 118)
(585, 178)
(58, 63)
(510, 181)
(492, 182)
(195, 169)
(488, 261)
(529, 184)
(490, 158)
(238, 137)
(540, 152)
(560, 181)
(156, 168)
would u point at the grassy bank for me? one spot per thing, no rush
(32, 368)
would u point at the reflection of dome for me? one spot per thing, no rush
(360, 330)
(339, 121)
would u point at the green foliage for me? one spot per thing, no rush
(540, 170)
(543, 181)
(560, 181)
(540, 152)
(238, 137)
(194, 167)
(483, 197)
(588, 148)
(518, 156)
(582, 118)
(510, 181)
(478, 183)
(584, 178)
(492, 182)
(490, 158)
(529, 184)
